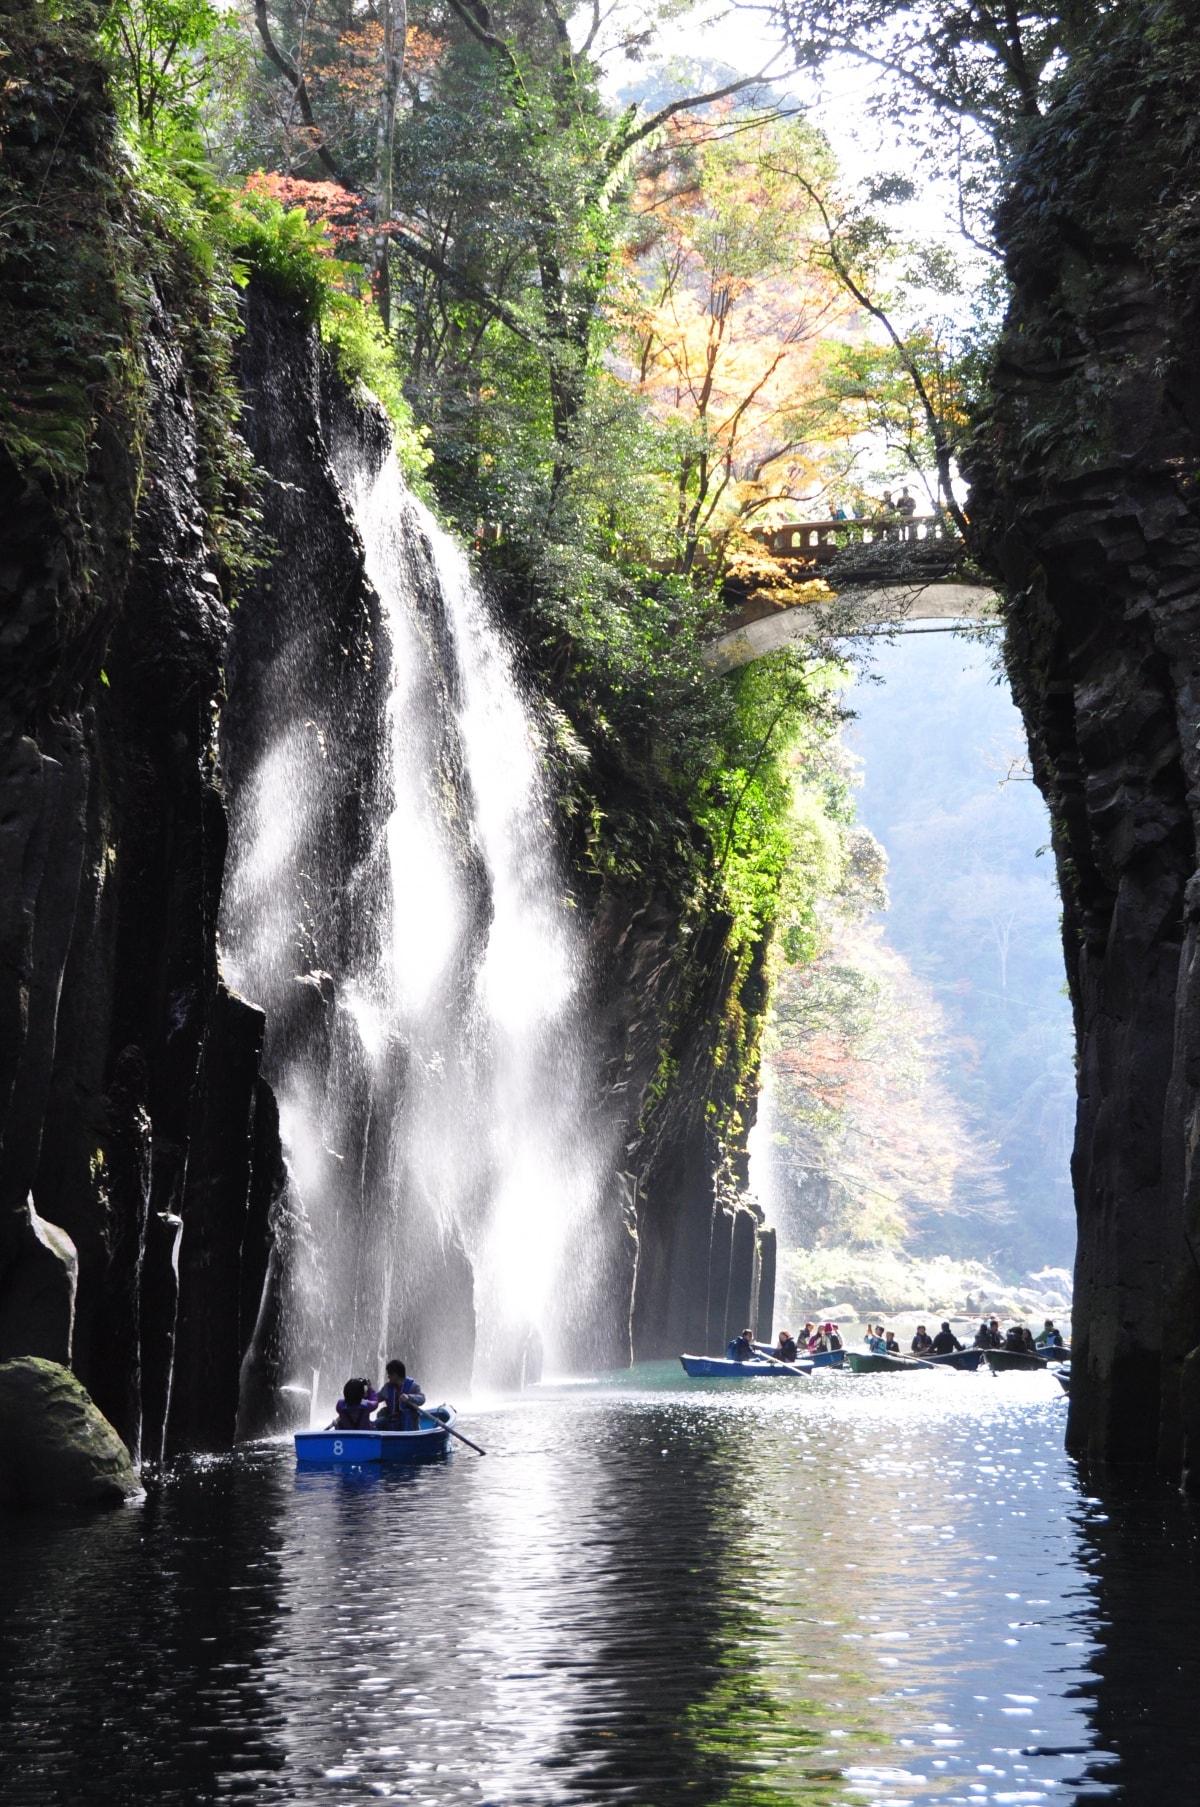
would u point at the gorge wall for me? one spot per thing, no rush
(148, 1221)
(1086, 502)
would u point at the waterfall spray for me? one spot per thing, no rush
(411, 939)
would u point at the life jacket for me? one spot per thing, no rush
(401, 1404)
(354, 1417)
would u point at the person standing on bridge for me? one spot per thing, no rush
(905, 504)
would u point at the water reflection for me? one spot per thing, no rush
(1140, 1546)
(859, 1591)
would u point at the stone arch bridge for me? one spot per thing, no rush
(889, 576)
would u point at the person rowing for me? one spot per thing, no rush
(945, 1342)
(400, 1400)
(742, 1349)
(922, 1343)
(785, 1349)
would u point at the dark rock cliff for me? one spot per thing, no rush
(128, 1097)
(146, 1216)
(680, 1020)
(1086, 502)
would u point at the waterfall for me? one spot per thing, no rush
(395, 901)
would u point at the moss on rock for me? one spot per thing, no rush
(56, 1448)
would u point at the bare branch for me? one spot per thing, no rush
(625, 140)
(292, 75)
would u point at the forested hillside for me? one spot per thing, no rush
(919, 1088)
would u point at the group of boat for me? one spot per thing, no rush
(436, 1424)
(764, 1365)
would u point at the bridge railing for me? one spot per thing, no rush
(819, 542)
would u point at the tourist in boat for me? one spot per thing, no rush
(785, 1349)
(945, 1342)
(989, 1335)
(399, 1400)
(354, 1408)
(922, 1343)
(833, 1340)
(983, 1336)
(875, 1340)
(742, 1349)
(890, 1345)
(1050, 1338)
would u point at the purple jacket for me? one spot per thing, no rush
(357, 1417)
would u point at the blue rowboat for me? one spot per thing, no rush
(717, 1367)
(356, 1447)
(809, 1358)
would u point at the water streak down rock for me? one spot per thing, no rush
(395, 901)
(138, 1123)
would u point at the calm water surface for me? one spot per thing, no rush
(883, 1590)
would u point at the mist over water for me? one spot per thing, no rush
(435, 1101)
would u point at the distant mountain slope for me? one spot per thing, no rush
(919, 1092)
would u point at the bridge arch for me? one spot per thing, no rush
(851, 614)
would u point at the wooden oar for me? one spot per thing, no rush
(780, 1363)
(440, 1424)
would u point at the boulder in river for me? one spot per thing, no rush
(56, 1448)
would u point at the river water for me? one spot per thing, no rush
(653, 1592)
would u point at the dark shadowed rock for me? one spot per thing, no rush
(56, 1448)
(1085, 501)
(37, 1295)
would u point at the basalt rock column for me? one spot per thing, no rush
(1085, 501)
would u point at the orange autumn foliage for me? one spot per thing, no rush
(725, 313)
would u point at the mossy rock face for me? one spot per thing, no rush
(56, 1448)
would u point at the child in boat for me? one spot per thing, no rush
(354, 1408)
(400, 1397)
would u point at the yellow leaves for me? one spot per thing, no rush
(724, 310)
(423, 49)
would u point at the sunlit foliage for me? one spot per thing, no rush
(723, 317)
